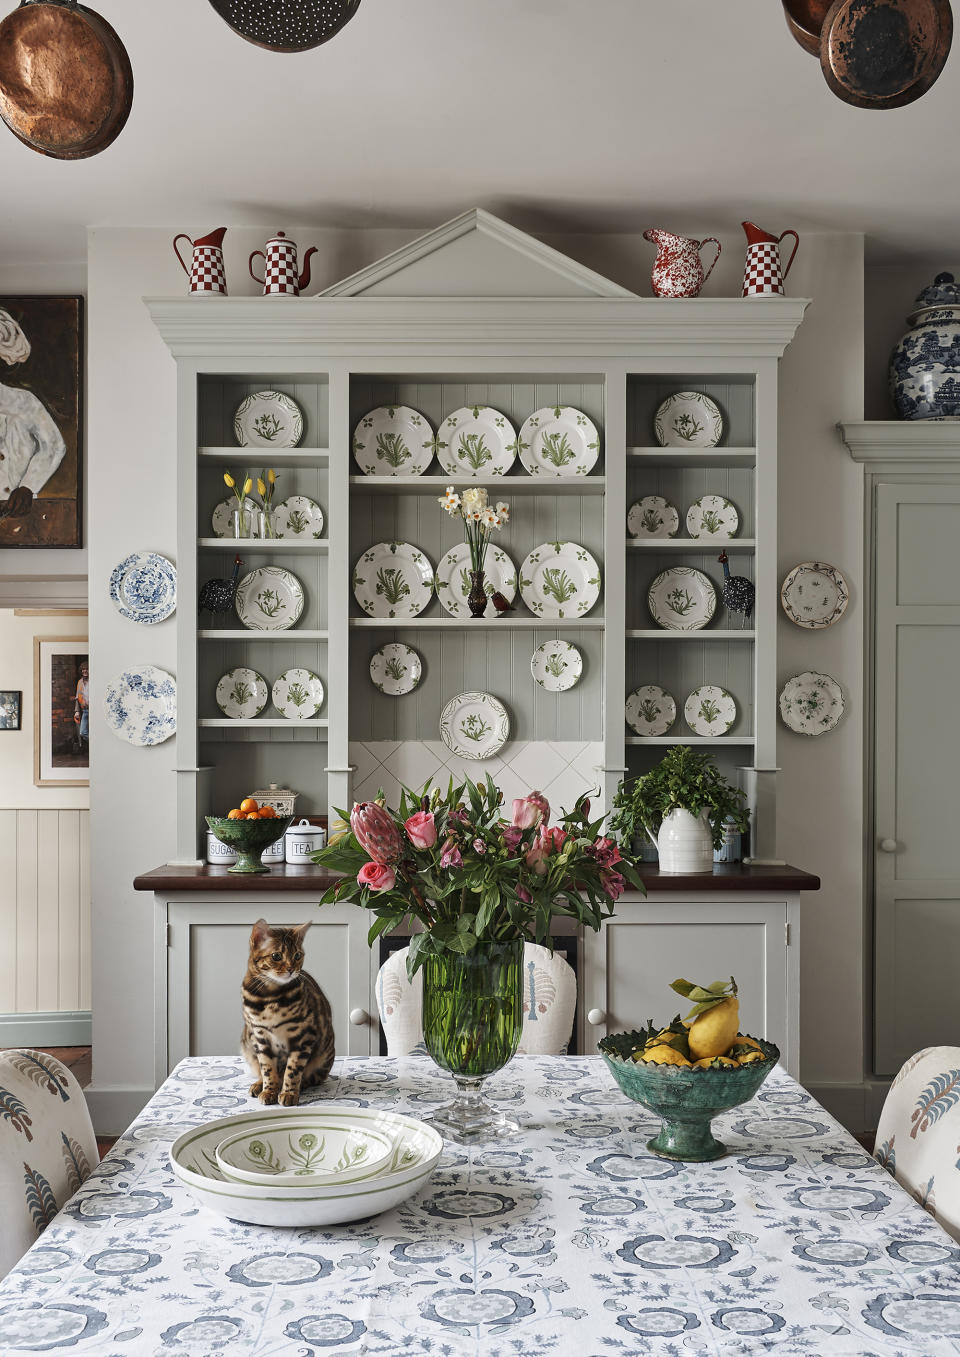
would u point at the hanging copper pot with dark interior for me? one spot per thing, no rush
(66, 86)
(884, 53)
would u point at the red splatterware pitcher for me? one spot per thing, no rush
(678, 268)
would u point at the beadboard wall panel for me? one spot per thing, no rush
(44, 911)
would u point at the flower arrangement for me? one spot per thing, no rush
(479, 520)
(266, 485)
(240, 494)
(468, 875)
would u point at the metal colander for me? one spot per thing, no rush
(286, 25)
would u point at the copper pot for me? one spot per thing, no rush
(884, 53)
(66, 85)
(805, 20)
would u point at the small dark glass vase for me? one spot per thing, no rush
(477, 598)
(472, 1019)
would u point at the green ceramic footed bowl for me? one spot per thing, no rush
(248, 838)
(685, 1099)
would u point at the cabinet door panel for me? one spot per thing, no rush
(207, 960)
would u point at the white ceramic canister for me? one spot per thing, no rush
(729, 850)
(219, 854)
(274, 851)
(303, 839)
(685, 843)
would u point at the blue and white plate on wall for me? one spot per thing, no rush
(144, 587)
(141, 705)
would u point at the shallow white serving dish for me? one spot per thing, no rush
(194, 1165)
(310, 1151)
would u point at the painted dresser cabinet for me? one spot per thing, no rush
(739, 921)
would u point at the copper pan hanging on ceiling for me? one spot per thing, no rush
(805, 20)
(286, 25)
(66, 86)
(884, 53)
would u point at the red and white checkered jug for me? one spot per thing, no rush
(762, 276)
(207, 275)
(280, 278)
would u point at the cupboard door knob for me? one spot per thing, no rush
(888, 845)
(596, 1017)
(359, 1016)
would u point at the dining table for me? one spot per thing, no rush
(567, 1238)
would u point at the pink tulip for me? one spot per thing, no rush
(421, 829)
(530, 811)
(378, 876)
(375, 831)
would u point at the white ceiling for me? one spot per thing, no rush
(560, 115)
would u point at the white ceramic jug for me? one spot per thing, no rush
(685, 842)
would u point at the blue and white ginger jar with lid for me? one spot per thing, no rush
(925, 365)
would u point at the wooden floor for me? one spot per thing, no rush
(79, 1062)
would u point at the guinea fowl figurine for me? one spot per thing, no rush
(216, 596)
(738, 592)
(501, 604)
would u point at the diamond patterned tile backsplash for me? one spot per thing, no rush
(562, 770)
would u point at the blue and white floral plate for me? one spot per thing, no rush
(141, 705)
(144, 587)
(194, 1164)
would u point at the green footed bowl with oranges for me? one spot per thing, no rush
(248, 838)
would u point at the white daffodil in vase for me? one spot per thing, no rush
(479, 521)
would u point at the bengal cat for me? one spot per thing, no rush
(287, 1023)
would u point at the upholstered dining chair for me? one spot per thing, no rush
(918, 1136)
(549, 1000)
(47, 1147)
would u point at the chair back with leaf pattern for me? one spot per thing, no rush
(918, 1136)
(549, 1000)
(47, 1147)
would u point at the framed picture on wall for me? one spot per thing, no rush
(61, 711)
(10, 704)
(41, 385)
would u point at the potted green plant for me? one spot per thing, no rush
(682, 805)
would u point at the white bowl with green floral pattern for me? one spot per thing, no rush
(194, 1165)
(305, 1152)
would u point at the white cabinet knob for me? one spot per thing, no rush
(888, 845)
(596, 1017)
(359, 1016)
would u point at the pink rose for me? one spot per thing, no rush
(421, 829)
(530, 811)
(377, 876)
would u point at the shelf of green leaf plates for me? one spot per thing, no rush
(704, 634)
(250, 722)
(693, 457)
(712, 740)
(446, 623)
(253, 546)
(250, 634)
(693, 545)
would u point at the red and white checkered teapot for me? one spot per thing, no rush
(207, 275)
(762, 276)
(280, 278)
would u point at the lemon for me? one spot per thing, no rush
(661, 1054)
(714, 1062)
(713, 1032)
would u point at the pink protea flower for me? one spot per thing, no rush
(377, 876)
(421, 829)
(375, 831)
(530, 811)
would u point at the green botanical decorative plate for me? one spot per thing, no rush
(393, 440)
(476, 441)
(710, 710)
(298, 694)
(688, 419)
(395, 669)
(242, 692)
(650, 710)
(393, 579)
(474, 725)
(269, 599)
(559, 579)
(556, 666)
(682, 599)
(268, 419)
(559, 441)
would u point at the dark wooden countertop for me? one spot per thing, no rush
(726, 877)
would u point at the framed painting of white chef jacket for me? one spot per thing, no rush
(41, 455)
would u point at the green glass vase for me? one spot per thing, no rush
(472, 1018)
